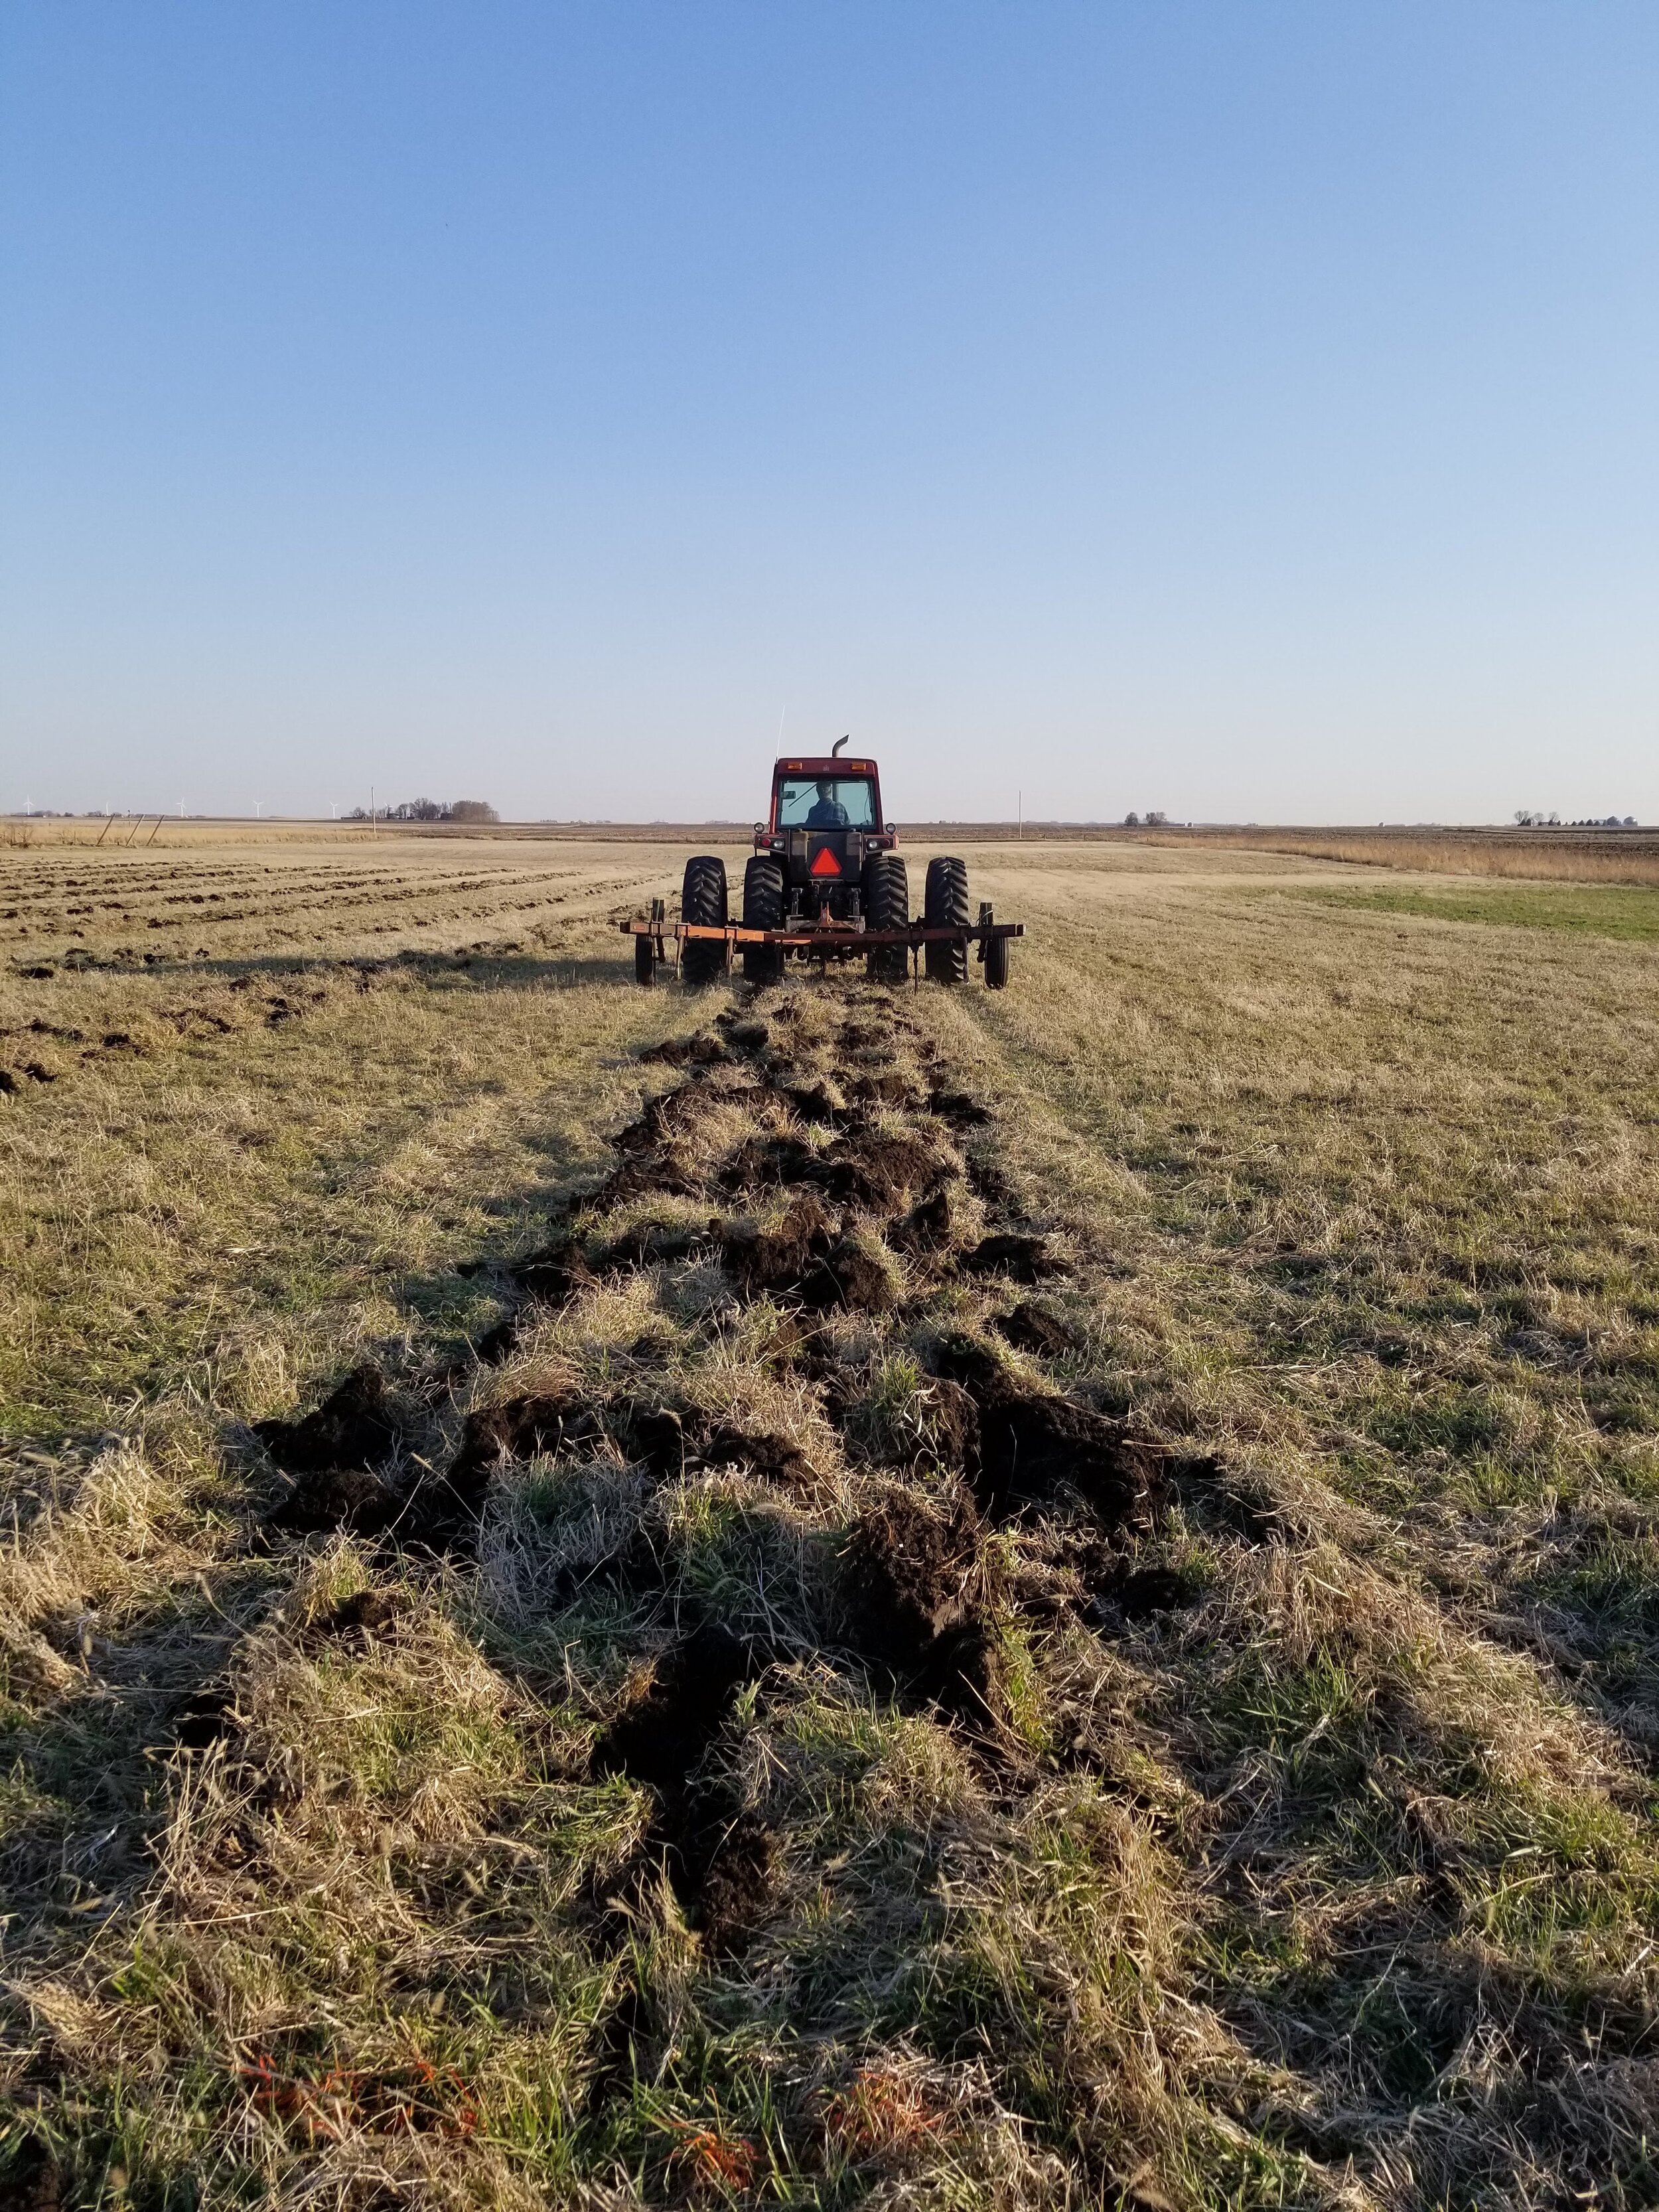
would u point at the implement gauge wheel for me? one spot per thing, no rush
(996, 963)
(944, 906)
(645, 961)
(703, 899)
(887, 906)
(763, 908)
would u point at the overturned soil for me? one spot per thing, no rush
(1039, 1328)
(555, 1274)
(720, 1860)
(355, 1427)
(699, 1051)
(1021, 1258)
(879, 1172)
(930, 1225)
(522, 1429)
(851, 1276)
(911, 1574)
(729, 1878)
(337, 1497)
(876, 1212)
(667, 1732)
(775, 1259)
(920, 1597)
(1032, 1445)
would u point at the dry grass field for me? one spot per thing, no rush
(929, 1599)
(1560, 854)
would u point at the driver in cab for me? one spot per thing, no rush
(827, 811)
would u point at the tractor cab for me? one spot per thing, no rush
(824, 882)
(824, 824)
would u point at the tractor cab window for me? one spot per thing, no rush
(831, 802)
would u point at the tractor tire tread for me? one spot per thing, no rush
(944, 906)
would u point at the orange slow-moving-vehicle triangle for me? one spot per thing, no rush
(826, 863)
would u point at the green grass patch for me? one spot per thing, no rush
(1598, 911)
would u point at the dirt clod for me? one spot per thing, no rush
(32, 2182)
(959, 1109)
(930, 1224)
(964, 1673)
(775, 1259)
(730, 1881)
(699, 1051)
(327, 1498)
(644, 1178)
(890, 1089)
(666, 1734)
(911, 1575)
(355, 1426)
(1039, 1328)
(555, 1274)
(765, 1162)
(496, 1344)
(1022, 1259)
(653, 1435)
(748, 1036)
(852, 1276)
(991, 1185)
(649, 1243)
(522, 1429)
(1032, 1444)
(880, 1172)
(811, 1103)
(773, 1457)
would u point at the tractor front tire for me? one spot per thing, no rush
(702, 900)
(944, 906)
(887, 906)
(763, 908)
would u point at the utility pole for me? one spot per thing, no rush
(1020, 804)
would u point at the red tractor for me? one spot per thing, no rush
(827, 882)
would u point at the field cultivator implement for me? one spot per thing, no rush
(827, 882)
(703, 951)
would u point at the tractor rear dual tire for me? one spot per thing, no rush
(944, 906)
(702, 900)
(763, 908)
(887, 906)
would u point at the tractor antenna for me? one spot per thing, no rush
(839, 743)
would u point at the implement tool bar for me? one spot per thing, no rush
(806, 940)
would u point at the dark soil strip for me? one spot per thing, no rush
(355, 1426)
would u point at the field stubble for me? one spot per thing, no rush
(936, 1599)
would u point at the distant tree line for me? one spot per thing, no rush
(429, 810)
(1153, 819)
(1529, 817)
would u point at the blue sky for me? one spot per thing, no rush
(1250, 410)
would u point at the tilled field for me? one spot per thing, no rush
(831, 1597)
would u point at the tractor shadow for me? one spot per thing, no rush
(437, 971)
